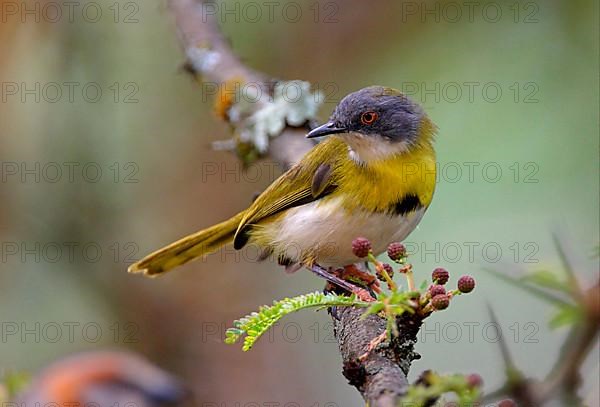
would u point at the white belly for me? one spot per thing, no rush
(327, 227)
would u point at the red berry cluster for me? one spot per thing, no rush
(437, 296)
(361, 248)
(440, 298)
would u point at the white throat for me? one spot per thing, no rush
(365, 149)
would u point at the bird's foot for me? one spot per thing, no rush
(361, 293)
(353, 273)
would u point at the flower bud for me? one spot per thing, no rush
(440, 302)
(440, 276)
(396, 251)
(361, 247)
(466, 284)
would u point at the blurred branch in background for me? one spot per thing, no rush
(578, 307)
(246, 99)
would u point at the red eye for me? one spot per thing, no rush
(368, 117)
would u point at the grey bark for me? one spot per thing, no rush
(381, 377)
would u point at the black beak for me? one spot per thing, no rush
(324, 130)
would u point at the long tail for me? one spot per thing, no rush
(189, 248)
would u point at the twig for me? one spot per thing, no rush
(207, 51)
(565, 373)
(564, 379)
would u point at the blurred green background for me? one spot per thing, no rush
(139, 180)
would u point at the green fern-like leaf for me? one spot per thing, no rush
(254, 325)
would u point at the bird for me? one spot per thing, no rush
(373, 176)
(103, 378)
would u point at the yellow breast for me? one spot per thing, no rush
(381, 185)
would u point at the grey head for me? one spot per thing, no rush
(375, 111)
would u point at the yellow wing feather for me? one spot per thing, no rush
(294, 187)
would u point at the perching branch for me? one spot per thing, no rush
(208, 53)
(211, 60)
(381, 376)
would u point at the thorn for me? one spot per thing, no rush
(508, 361)
(566, 257)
